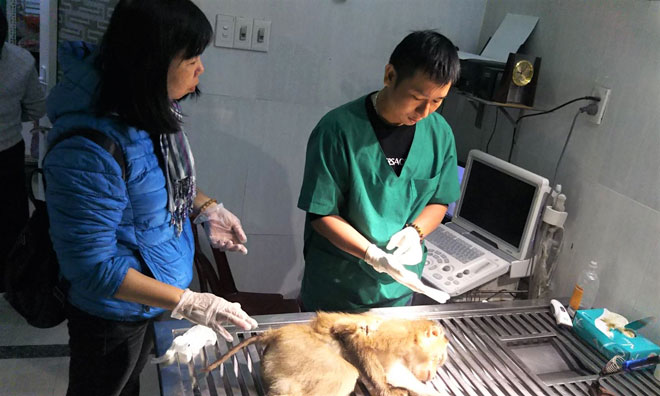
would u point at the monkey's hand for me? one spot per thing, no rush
(398, 392)
(187, 345)
(210, 310)
(399, 376)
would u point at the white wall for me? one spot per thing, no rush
(610, 173)
(249, 130)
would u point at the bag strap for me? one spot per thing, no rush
(101, 139)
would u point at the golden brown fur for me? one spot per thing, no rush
(326, 356)
(419, 345)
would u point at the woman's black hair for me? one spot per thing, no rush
(429, 52)
(142, 39)
(3, 30)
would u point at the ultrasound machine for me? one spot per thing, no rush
(491, 227)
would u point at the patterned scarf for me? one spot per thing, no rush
(179, 174)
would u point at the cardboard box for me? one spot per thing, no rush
(589, 326)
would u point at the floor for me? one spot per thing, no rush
(35, 361)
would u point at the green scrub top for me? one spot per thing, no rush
(347, 174)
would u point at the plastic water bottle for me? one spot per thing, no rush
(586, 288)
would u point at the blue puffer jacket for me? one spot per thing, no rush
(100, 224)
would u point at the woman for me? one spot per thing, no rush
(126, 246)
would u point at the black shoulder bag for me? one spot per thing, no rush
(33, 284)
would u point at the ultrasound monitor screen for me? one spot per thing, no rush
(497, 202)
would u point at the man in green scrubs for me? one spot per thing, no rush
(379, 173)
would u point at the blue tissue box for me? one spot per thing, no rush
(617, 343)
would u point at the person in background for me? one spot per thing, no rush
(379, 173)
(22, 99)
(125, 244)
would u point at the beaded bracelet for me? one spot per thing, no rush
(419, 230)
(206, 205)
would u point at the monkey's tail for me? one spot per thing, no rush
(232, 352)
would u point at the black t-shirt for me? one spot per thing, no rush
(395, 140)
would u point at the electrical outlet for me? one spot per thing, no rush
(224, 31)
(604, 95)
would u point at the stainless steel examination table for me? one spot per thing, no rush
(504, 348)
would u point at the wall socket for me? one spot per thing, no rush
(604, 95)
(224, 31)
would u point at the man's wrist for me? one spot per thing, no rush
(366, 257)
(418, 229)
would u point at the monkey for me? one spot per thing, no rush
(397, 353)
(328, 355)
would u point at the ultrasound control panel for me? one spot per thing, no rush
(456, 277)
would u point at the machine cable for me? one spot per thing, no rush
(516, 126)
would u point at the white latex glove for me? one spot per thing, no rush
(413, 283)
(407, 245)
(223, 229)
(210, 310)
(383, 262)
(388, 263)
(187, 345)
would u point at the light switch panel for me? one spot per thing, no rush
(243, 33)
(260, 35)
(224, 31)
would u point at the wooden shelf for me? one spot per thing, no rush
(469, 96)
(479, 104)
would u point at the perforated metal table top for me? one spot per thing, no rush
(487, 355)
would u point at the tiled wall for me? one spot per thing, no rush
(249, 130)
(610, 173)
(83, 19)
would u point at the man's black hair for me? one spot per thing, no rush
(427, 51)
(142, 39)
(3, 30)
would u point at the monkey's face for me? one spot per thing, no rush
(432, 353)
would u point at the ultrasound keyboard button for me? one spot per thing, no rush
(437, 276)
(460, 249)
(447, 283)
(432, 267)
(459, 275)
(446, 268)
